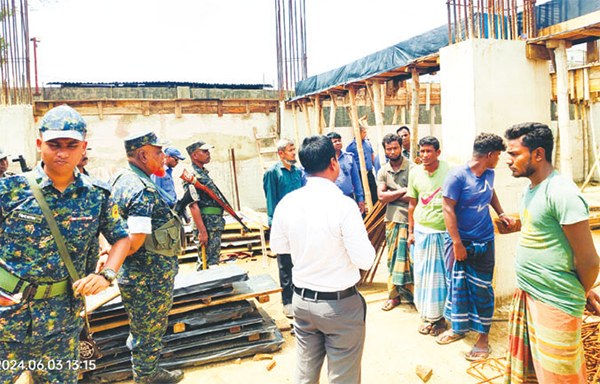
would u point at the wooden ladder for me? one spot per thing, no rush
(266, 148)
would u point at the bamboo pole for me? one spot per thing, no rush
(318, 111)
(297, 136)
(414, 114)
(562, 92)
(359, 147)
(396, 113)
(591, 128)
(307, 118)
(332, 109)
(378, 106)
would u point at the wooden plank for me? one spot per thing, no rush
(592, 51)
(537, 52)
(590, 19)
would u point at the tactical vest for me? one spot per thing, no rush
(168, 239)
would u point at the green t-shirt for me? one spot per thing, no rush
(544, 260)
(427, 189)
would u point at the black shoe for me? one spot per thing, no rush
(162, 376)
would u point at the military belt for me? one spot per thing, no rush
(211, 210)
(12, 284)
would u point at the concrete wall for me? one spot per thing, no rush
(230, 131)
(488, 85)
(17, 134)
(81, 93)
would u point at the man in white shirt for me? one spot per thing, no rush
(323, 231)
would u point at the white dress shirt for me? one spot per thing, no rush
(324, 232)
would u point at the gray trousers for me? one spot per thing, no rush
(335, 328)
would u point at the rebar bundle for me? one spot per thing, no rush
(290, 16)
(489, 19)
(14, 53)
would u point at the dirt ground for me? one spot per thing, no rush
(393, 347)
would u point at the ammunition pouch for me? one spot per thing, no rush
(167, 240)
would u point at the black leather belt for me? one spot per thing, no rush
(314, 295)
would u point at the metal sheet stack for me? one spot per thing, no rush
(211, 320)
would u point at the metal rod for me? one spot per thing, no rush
(449, 23)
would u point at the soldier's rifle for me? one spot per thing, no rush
(22, 163)
(190, 178)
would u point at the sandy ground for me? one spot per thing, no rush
(393, 346)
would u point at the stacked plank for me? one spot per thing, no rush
(375, 224)
(210, 321)
(235, 242)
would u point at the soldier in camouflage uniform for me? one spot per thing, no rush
(40, 332)
(4, 164)
(147, 277)
(206, 212)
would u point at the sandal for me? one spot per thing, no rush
(425, 328)
(483, 353)
(449, 337)
(439, 327)
(391, 304)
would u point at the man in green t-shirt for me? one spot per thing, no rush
(426, 230)
(556, 266)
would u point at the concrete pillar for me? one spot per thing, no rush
(487, 86)
(18, 134)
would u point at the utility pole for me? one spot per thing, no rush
(35, 41)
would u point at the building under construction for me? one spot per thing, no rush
(494, 64)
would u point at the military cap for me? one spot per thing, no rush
(198, 145)
(62, 122)
(3, 154)
(138, 140)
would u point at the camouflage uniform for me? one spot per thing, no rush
(214, 223)
(146, 278)
(44, 333)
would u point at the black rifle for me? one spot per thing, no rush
(22, 163)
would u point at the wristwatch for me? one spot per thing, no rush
(109, 274)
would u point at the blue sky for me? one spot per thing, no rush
(215, 41)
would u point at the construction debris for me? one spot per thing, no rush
(423, 372)
(590, 336)
(262, 356)
(210, 321)
(236, 243)
(488, 370)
